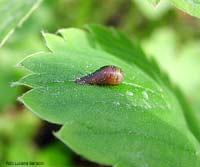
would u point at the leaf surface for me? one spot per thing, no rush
(139, 122)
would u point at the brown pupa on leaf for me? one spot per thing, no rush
(106, 75)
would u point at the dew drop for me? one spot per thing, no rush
(129, 93)
(128, 105)
(147, 105)
(121, 94)
(116, 103)
(145, 95)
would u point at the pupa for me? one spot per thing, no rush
(106, 75)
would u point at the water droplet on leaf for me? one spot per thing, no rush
(145, 95)
(129, 93)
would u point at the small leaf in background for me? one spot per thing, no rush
(154, 2)
(191, 7)
(11, 141)
(139, 122)
(12, 14)
(8, 74)
(153, 12)
(55, 155)
(184, 60)
(7, 94)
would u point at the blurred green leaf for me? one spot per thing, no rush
(137, 123)
(13, 14)
(154, 2)
(153, 12)
(26, 152)
(7, 95)
(191, 7)
(184, 58)
(162, 45)
(10, 123)
(54, 155)
(14, 140)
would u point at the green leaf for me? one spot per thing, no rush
(8, 95)
(155, 11)
(55, 155)
(186, 64)
(140, 122)
(13, 14)
(154, 2)
(191, 7)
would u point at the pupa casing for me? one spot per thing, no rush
(106, 75)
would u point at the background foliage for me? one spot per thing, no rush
(157, 29)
